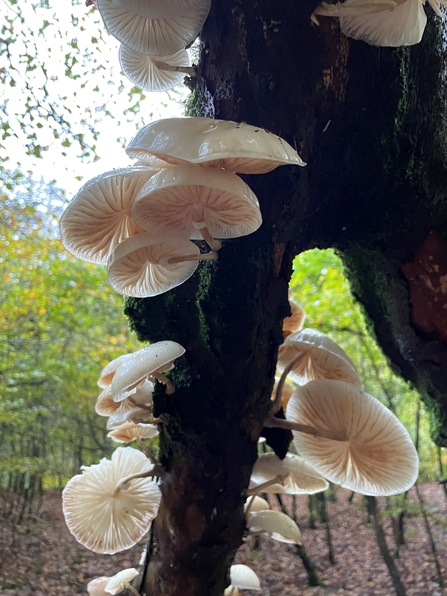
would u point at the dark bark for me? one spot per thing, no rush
(373, 512)
(369, 123)
(313, 578)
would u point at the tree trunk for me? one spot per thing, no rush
(381, 541)
(313, 578)
(369, 122)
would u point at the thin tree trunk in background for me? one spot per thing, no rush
(351, 497)
(313, 578)
(282, 507)
(399, 528)
(324, 517)
(311, 516)
(440, 579)
(373, 512)
(441, 472)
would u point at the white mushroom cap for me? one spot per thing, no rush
(185, 198)
(157, 357)
(108, 372)
(276, 525)
(125, 413)
(140, 396)
(234, 146)
(161, 9)
(301, 477)
(378, 456)
(143, 71)
(130, 431)
(106, 521)
(153, 36)
(399, 23)
(139, 266)
(118, 582)
(256, 504)
(96, 587)
(295, 322)
(98, 218)
(319, 357)
(244, 578)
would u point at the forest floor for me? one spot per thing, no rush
(41, 558)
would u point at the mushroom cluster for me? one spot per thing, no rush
(154, 35)
(141, 221)
(111, 505)
(381, 23)
(344, 434)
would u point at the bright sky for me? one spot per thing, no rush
(58, 37)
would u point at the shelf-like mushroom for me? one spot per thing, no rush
(295, 322)
(132, 431)
(98, 218)
(108, 372)
(162, 36)
(315, 356)
(149, 362)
(299, 476)
(198, 203)
(234, 146)
(275, 524)
(243, 578)
(154, 73)
(141, 398)
(386, 23)
(106, 513)
(148, 265)
(371, 452)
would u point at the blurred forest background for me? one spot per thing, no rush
(66, 112)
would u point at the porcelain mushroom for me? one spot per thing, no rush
(299, 476)
(370, 451)
(160, 9)
(197, 203)
(295, 322)
(242, 578)
(106, 586)
(141, 398)
(108, 372)
(275, 524)
(155, 73)
(98, 218)
(110, 506)
(132, 431)
(313, 355)
(149, 362)
(385, 23)
(148, 265)
(161, 36)
(233, 146)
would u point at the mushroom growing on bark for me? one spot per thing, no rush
(155, 73)
(370, 451)
(149, 362)
(233, 146)
(380, 23)
(275, 524)
(98, 218)
(197, 203)
(148, 265)
(153, 36)
(312, 355)
(299, 477)
(110, 506)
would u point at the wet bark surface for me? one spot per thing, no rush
(369, 122)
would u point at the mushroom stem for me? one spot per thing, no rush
(335, 435)
(161, 378)
(156, 471)
(212, 242)
(189, 70)
(276, 406)
(209, 256)
(249, 492)
(147, 452)
(133, 590)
